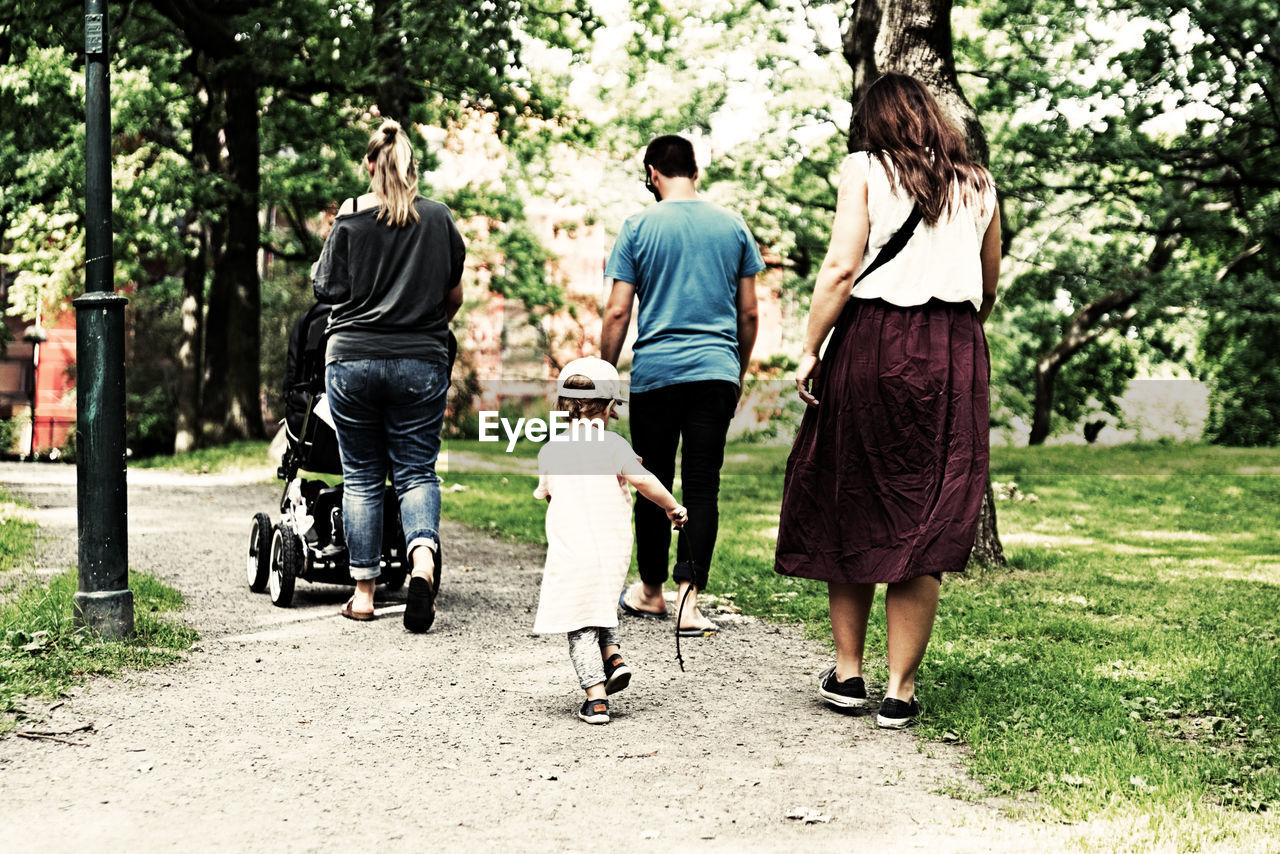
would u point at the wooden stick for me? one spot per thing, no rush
(84, 728)
(51, 738)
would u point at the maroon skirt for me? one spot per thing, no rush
(886, 477)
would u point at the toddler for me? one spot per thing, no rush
(585, 473)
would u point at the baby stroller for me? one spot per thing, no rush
(308, 541)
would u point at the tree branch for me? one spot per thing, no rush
(1240, 258)
(286, 255)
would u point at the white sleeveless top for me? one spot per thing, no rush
(939, 261)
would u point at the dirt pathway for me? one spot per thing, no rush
(296, 730)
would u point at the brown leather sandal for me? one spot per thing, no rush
(352, 614)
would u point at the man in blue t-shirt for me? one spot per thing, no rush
(692, 265)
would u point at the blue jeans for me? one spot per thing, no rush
(388, 413)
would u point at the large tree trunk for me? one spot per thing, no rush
(914, 37)
(190, 345)
(238, 267)
(1042, 407)
(225, 135)
(395, 93)
(213, 385)
(205, 152)
(987, 549)
(860, 37)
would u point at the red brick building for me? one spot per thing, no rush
(37, 383)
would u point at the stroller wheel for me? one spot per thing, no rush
(259, 563)
(286, 565)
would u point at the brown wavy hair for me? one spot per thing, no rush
(900, 122)
(395, 174)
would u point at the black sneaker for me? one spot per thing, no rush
(595, 711)
(616, 674)
(846, 694)
(895, 714)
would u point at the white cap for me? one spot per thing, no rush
(604, 375)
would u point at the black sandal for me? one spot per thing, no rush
(420, 602)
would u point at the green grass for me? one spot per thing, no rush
(43, 652)
(236, 456)
(1121, 673)
(17, 533)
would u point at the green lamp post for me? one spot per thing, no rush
(104, 602)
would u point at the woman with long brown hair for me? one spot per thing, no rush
(885, 481)
(391, 268)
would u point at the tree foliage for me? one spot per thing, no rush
(1138, 154)
(1134, 142)
(1239, 347)
(225, 112)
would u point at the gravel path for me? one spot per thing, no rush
(296, 730)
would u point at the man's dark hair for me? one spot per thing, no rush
(672, 156)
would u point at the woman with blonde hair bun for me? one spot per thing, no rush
(391, 268)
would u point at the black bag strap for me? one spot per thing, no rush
(890, 250)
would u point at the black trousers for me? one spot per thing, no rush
(694, 416)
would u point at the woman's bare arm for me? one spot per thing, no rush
(835, 278)
(453, 301)
(990, 265)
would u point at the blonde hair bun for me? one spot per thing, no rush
(395, 175)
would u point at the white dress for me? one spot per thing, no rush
(588, 530)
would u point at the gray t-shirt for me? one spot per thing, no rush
(387, 285)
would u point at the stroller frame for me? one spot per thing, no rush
(309, 542)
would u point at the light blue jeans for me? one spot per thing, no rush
(388, 413)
